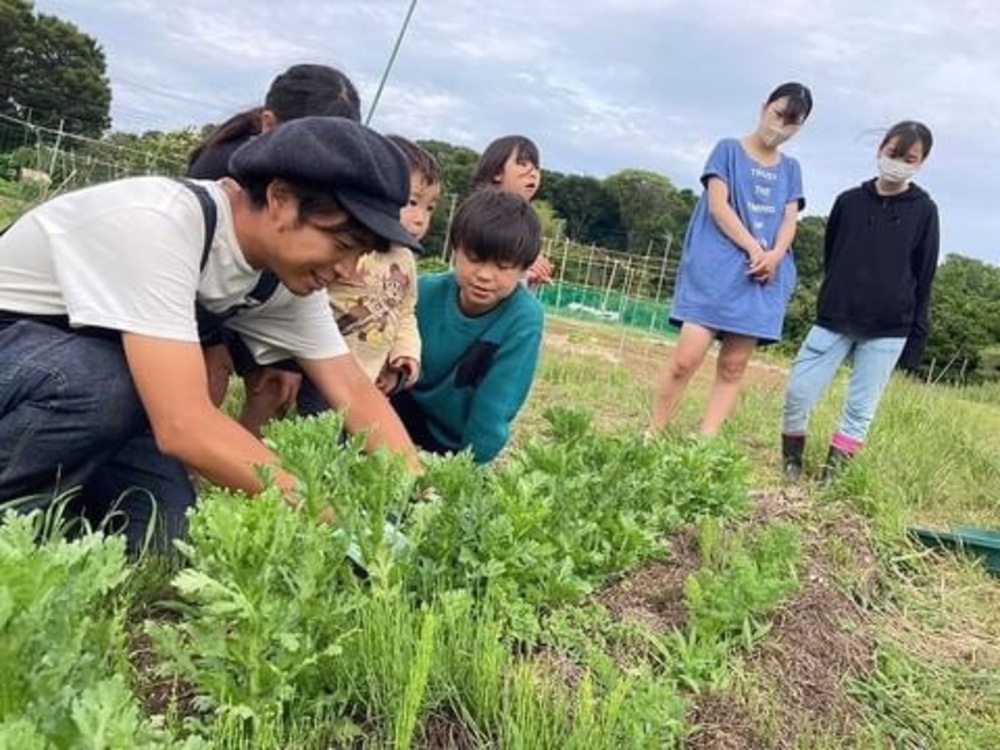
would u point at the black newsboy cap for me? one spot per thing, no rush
(364, 171)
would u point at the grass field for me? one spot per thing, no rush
(9, 208)
(593, 591)
(886, 643)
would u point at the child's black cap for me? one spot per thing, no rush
(364, 171)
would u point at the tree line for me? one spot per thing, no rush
(51, 73)
(55, 74)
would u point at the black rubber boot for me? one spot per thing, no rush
(792, 448)
(835, 461)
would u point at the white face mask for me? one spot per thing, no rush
(896, 171)
(774, 135)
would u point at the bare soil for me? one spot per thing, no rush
(653, 595)
(818, 642)
(444, 731)
(159, 695)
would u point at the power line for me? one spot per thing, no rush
(168, 94)
(392, 59)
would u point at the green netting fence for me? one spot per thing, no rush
(609, 306)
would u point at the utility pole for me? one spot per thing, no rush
(663, 272)
(445, 250)
(663, 265)
(55, 150)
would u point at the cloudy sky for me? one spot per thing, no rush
(600, 84)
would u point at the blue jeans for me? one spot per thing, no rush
(816, 364)
(71, 420)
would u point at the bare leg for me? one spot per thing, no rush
(729, 370)
(688, 354)
(219, 367)
(265, 400)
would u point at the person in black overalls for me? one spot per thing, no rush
(103, 387)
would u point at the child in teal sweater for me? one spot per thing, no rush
(481, 331)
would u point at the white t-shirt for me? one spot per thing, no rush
(126, 256)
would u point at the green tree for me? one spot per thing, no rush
(808, 249)
(153, 152)
(52, 69)
(965, 318)
(644, 202)
(16, 19)
(553, 226)
(680, 207)
(457, 164)
(588, 208)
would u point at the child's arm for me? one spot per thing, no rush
(727, 220)
(503, 391)
(405, 351)
(718, 173)
(539, 273)
(925, 260)
(782, 242)
(786, 232)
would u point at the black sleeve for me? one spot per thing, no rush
(832, 223)
(912, 358)
(925, 260)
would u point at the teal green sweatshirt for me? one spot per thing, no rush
(475, 371)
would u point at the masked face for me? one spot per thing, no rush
(774, 135)
(895, 170)
(899, 168)
(773, 130)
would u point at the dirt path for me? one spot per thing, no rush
(642, 355)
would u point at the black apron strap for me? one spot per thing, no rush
(209, 210)
(264, 288)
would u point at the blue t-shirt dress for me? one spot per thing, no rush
(713, 289)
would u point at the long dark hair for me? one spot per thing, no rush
(301, 91)
(908, 132)
(490, 164)
(237, 128)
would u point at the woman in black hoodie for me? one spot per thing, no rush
(880, 255)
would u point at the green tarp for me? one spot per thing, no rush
(607, 306)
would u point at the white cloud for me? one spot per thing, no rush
(600, 84)
(238, 40)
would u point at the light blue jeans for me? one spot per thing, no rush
(821, 355)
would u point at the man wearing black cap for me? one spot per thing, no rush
(102, 379)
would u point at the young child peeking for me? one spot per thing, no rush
(375, 308)
(481, 331)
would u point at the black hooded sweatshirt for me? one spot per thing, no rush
(880, 255)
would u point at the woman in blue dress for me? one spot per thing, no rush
(737, 274)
